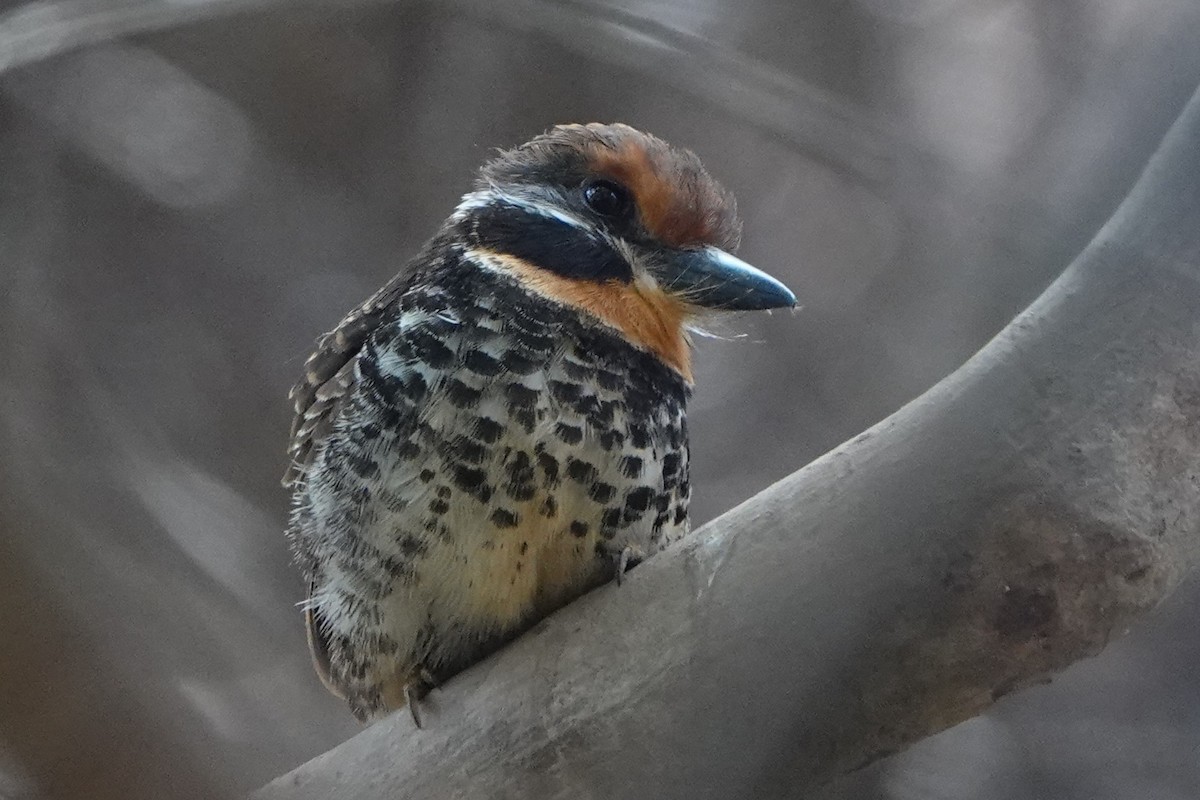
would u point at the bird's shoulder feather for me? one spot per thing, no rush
(329, 373)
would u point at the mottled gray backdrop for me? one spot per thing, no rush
(183, 209)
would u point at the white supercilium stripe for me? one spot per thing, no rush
(486, 197)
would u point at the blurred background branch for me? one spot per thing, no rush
(30, 32)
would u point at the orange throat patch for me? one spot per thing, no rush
(646, 315)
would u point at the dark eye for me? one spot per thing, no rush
(607, 199)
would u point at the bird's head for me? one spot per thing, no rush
(621, 225)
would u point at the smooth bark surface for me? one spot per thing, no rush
(1005, 524)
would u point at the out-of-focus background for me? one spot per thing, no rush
(191, 192)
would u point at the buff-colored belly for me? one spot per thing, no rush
(494, 578)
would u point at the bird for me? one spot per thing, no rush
(502, 426)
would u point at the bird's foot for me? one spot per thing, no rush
(428, 678)
(412, 696)
(416, 690)
(624, 558)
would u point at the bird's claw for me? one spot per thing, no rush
(412, 696)
(416, 690)
(628, 558)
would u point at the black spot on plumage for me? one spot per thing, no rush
(389, 416)
(426, 475)
(609, 381)
(521, 477)
(577, 371)
(425, 346)
(569, 434)
(642, 399)
(414, 387)
(680, 514)
(473, 481)
(581, 471)
(529, 319)
(362, 466)
(549, 465)
(586, 405)
(482, 363)
(565, 393)
(385, 385)
(639, 437)
(487, 429)
(611, 439)
(520, 396)
(579, 528)
(408, 449)
(602, 415)
(535, 342)
(370, 431)
(526, 418)
(674, 437)
(439, 506)
(631, 466)
(503, 518)
(602, 492)
(398, 569)
(464, 448)
(518, 363)
(462, 395)
(411, 545)
(444, 492)
(610, 520)
(549, 507)
(639, 499)
(426, 433)
(670, 463)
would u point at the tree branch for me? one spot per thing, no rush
(1005, 524)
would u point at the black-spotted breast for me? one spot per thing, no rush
(502, 427)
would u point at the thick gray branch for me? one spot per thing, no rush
(1005, 524)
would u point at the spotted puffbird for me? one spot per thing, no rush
(502, 426)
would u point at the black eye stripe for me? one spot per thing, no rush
(547, 242)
